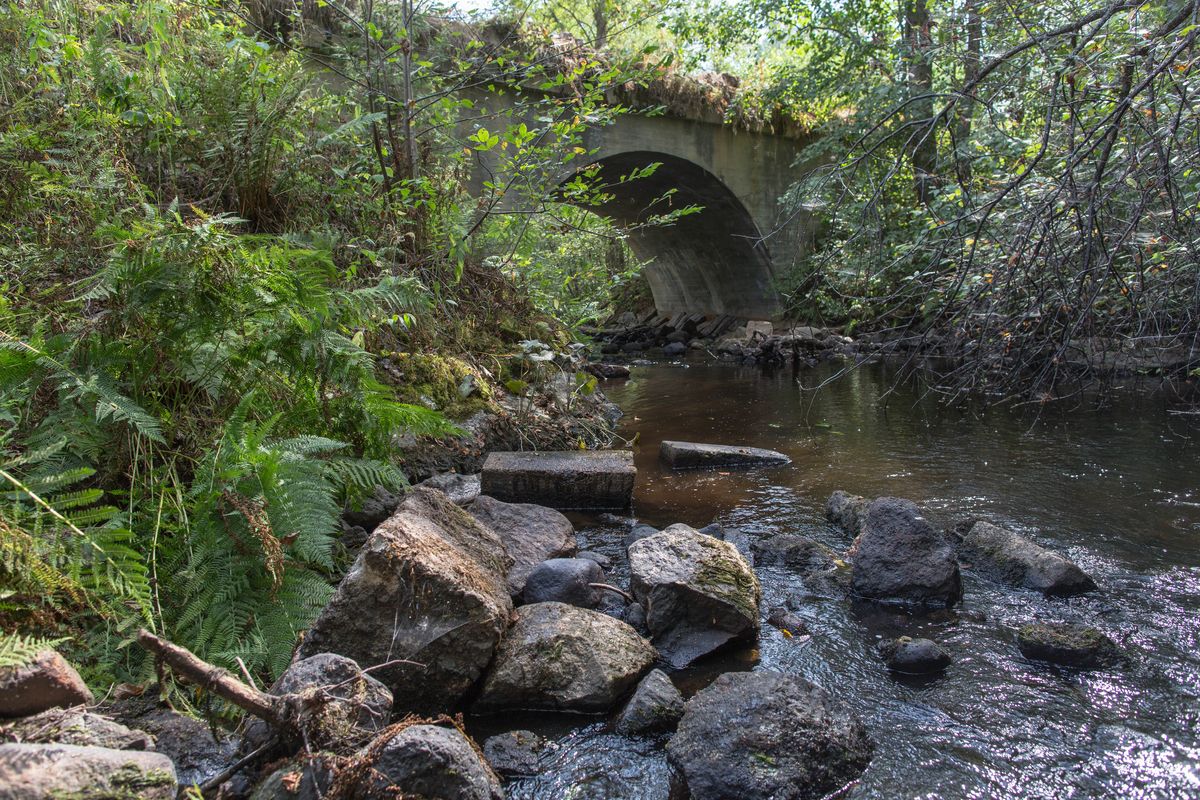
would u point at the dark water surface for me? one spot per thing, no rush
(1118, 490)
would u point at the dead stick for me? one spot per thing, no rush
(187, 665)
(612, 588)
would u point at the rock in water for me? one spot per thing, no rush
(914, 656)
(1067, 644)
(429, 586)
(531, 535)
(1018, 561)
(655, 707)
(514, 753)
(358, 705)
(694, 455)
(847, 511)
(767, 736)
(47, 681)
(427, 762)
(557, 656)
(29, 771)
(899, 558)
(565, 580)
(797, 553)
(591, 479)
(699, 593)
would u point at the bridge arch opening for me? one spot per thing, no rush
(712, 262)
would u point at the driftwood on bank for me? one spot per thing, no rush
(273, 710)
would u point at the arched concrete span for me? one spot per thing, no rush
(711, 262)
(726, 259)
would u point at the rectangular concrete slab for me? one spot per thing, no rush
(695, 455)
(584, 479)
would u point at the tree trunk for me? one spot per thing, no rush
(918, 62)
(965, 109)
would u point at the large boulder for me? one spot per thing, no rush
(428, 588)
(531, 534)
(1067, 644)
(426, 762)
(75, 726)
(847, 511)
(36, 771)
(565, 580)
(655, 707)
(696, 455)
(699, 593)
(557, 656)
(899, 558)
(1012, 558)
(47, 681)
(356, 704)
(767, 736)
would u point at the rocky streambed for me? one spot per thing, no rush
(734, 637)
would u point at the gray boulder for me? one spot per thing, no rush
(189, 742)
(767, 736)
(564, 580)
(1018, 561)
(427, 762)
(847, 511)
(655, 707)
(531, 534)
(514, 753)
(557, 656)
(699, 593)
(429, 587)
(914, 656)
(357, 705)
(38, 771)
(602, 560)
(75, 726)
(461, 489)
(47, 681)
(695, 455)
(899, 558)
(1067, 644)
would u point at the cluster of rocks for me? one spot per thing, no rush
(721, 336)
(899, 558)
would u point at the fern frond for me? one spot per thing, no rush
(17, 650)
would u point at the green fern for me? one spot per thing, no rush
(17, 650)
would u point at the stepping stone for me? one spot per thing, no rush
(593, 480)
(694, 455)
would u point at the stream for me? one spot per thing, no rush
(1117, 490)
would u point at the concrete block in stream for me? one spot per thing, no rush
(593, 480)
(694, 455)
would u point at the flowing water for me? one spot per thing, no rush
(1117, 490)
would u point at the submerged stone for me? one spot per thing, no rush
(695, 455)
(914, 656)
(1067, 644)
(1019, 561)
